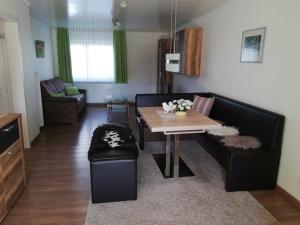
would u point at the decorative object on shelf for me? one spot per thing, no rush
(253, 45)
(40, 49)
(180, 106)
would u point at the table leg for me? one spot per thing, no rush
(109, 106)
(168, 156)
(176, 156)
(107, 110)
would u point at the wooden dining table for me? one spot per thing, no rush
(171, 125)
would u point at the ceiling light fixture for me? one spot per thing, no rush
(123, 4)
(173, 59)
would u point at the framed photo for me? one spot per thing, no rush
(40, 49)
(253, 45)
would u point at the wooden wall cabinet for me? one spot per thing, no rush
(12, 168)
(189, 45)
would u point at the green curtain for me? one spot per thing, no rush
(64, 55)
(120, 56)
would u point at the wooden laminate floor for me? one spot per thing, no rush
(58, 184)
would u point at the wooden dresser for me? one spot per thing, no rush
(12, 169)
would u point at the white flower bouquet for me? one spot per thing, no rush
(180, 105)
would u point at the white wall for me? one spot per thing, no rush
(24, 78)
(273, 85)
(5, 93)
(142, 67)
(43, 66)
(15, 72)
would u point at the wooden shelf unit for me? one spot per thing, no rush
(12, 166)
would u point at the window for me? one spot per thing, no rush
(92, 55)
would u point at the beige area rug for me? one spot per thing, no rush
(198, 200)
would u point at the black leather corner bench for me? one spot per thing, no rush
(113, 164)
(245, 169)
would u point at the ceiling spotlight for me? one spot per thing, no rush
(123, 4)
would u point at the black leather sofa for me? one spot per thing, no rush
(245, 169)
(61, 109)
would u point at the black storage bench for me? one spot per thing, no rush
(113, 163)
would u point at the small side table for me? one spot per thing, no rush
(117, 102)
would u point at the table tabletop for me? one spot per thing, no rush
(193, 121)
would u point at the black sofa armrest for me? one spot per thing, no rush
(252, 170)
(59, 99)
(82, 91)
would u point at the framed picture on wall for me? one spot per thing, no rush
(253, 45)
(40, 49)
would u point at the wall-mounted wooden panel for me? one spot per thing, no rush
(189, 45)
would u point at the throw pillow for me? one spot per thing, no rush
(241, 142)
(203, 105)
(57, 95)
(71, 90)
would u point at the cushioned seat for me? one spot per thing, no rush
(113, 162)
(79, 97)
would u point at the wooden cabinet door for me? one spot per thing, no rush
(192, 51)
(189, 45)
(10, 158)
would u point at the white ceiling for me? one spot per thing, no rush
(144, 15)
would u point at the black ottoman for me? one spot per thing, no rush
(113, 163)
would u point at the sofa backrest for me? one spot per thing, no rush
(54, 85)
(148, 100)
(250, 120)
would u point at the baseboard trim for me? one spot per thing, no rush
(96, 104)
(288, 196)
